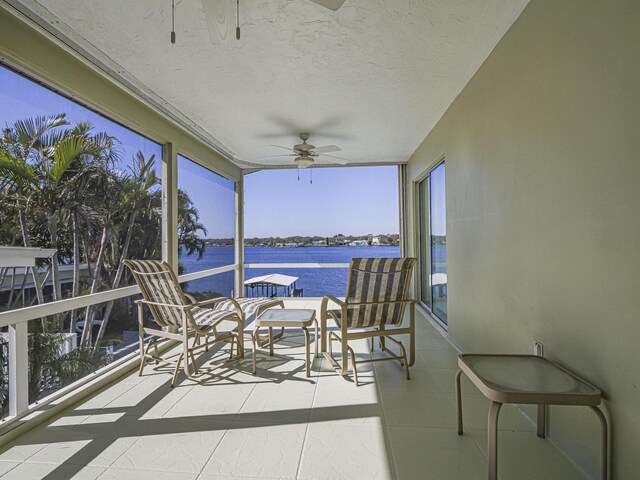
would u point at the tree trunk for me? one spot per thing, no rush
(116, 280)
(55, 271)
(90, 311)
(76, 270)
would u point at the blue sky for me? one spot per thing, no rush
(21, 98)
(213, 196)
(351, 201)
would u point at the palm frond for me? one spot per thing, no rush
(66, 151)
(29, 131)
(15, 171)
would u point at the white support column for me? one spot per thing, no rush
(18, 369)
(402, 210)
(239, 240)
(170, 205)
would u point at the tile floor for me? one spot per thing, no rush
(281, 425)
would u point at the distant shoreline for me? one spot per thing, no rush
(380, 240)
(307, 246)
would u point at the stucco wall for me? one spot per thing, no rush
(542, 152)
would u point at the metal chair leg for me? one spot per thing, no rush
(405, 363)
(353, 362)
(345, 356)
(233, 339)
(175, 372)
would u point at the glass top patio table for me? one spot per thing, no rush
(527, 379)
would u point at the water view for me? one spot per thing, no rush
(315, 282)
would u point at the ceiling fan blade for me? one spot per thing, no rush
(327, 149)
(330, 4)
(286, 148)
(277, 156)
(338, 160)
(220, 16)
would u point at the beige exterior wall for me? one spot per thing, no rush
(542, 152)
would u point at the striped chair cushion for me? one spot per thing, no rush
(206, 317)
(384, 280)
(249, 306)
(158, 284)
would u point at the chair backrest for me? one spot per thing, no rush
(159, 284)
(381, 280)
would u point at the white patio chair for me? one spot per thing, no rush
(377, 294)
(180, 316)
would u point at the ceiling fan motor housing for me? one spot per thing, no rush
(304, 147)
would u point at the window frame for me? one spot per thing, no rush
(418, 219)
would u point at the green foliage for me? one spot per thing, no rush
(61, 187)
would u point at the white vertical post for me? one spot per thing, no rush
(170, 205)
(402, 210)
(239, 240)
(18, 369)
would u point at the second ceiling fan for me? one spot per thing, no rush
(307, 155)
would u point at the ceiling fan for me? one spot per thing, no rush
(306, 155)
(220, 16)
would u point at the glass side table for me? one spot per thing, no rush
(527, 379)
(285, 318)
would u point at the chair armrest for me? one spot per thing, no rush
(158, 304)
(327, 298)
(190, 297)
(408, 300)
(211, 301)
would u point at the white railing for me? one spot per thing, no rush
(296, 265)
(17, 323)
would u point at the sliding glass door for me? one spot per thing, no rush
(433, 242)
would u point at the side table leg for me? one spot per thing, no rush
(255, 348)
(271, 341)
(323, 331)
(604, 442)
(542, 421)
(315, 339)
(459, 401)
(494, 410)
(307, 350)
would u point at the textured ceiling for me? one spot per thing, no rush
(373, 77)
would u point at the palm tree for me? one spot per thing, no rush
(46, 166)
(189, 226)
(20, 148)
(138, 198)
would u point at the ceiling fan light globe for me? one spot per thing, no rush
(304, 162)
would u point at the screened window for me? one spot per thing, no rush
(206, 227)
(318, 216)
(88, 189)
